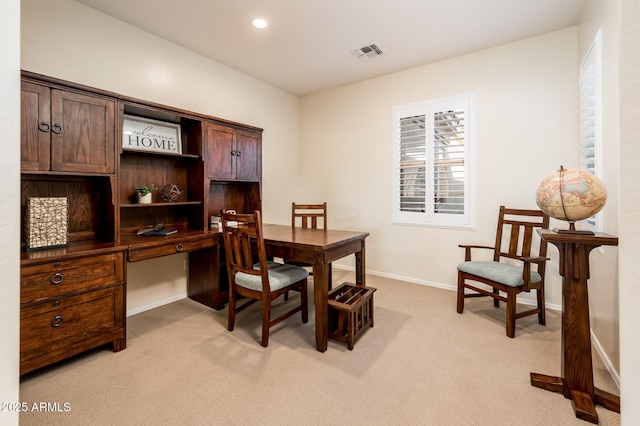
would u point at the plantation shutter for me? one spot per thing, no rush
(413, 164)
(448, 162)
(432, 151)
(589, 120)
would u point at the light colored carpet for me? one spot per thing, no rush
(422, 364)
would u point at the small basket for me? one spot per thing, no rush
(350, 312)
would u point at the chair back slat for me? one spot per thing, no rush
(520, 225)
(308, 214)
(527, 241)
(514, 240)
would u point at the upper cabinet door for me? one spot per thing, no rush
(82, 133)
(35, 127)
(248, 155)
(220, 152)
(233, 154)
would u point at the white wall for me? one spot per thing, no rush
(629, 211)
(68, 40)
(603, 283)
(526, 128)
(10, 212)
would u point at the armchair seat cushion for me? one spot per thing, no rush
(280, 275)
(503, 273)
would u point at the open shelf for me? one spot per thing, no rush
(159, 154)
(176, 203)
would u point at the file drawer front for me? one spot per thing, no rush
(58, 278)
(55, 324)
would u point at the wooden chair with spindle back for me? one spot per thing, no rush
(307, 216)
(262, 281)
(515, 267)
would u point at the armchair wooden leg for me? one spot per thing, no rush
(460, 304)
(496, 302)
(511, 314)
(305, 303)
(266, 319)
(232, 311)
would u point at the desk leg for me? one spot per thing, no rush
(321, 277)
(360, 267)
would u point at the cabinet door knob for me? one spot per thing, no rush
(44, 127)
(56, 128)
(57, 321)
(57, 278)
(238, 153)
(179, 247)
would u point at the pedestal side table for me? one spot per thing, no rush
(576, 382)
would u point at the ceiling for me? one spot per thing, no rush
(309, 44)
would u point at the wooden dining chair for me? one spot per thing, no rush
(516, 266)
(308, 215)
(258, 281)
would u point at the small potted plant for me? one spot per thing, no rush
(144, 193)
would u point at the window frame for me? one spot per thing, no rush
(590, 98)
(429, 217)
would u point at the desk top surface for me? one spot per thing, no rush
(308, 236)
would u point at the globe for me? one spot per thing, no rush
(571, 195)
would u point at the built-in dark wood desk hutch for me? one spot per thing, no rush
(73, 298)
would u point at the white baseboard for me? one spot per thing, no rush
(156, 304)
(605, 359)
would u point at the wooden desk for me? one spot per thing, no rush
(318, 247)
(576, 382)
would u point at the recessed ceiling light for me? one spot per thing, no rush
(259, 23)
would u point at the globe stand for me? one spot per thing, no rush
(576, 379)
(572, 230)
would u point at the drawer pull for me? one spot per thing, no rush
(57, 321)
(179, 247)
(57, 278)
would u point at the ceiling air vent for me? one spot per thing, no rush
(367, 52)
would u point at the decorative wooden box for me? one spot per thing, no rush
(350, 312)
(46, 222)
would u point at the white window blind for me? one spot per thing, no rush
(433, 147)
(589, 121)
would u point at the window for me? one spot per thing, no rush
(433, 154)
(589, 116)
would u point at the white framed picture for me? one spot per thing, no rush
(144, 134)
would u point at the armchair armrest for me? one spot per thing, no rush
(467, 250)
(526, 270)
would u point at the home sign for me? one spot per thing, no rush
(150, 135)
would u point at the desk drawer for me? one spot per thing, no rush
(173, 246)
(54, 279)
(64, 322)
